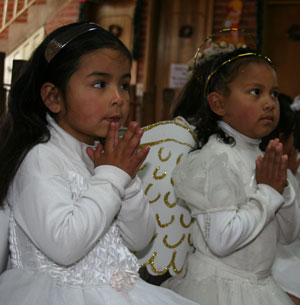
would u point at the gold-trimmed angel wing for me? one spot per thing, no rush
(169, 142)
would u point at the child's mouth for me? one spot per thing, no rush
(113, 119)
(268, 119)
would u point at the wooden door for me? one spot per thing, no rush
(183, 24)
(117, 16)
(281, 42)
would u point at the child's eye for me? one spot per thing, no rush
(275, 94)
(125, 86)
(99, 85)
(255, 91)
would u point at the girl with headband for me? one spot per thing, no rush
(77, 207)
(240, 199)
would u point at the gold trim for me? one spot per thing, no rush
(189, 240)
(212, 36)
(165, 224)
(230, 60)
(179, 159)
(166, 200)
(148, 188)
(154, 236)
(164, 270)
(142, 167)
(146, 193)
(154, 200)
(174, 245)
(156, 177)
(164, 141)
(160, 156)
(183, 224)
(149, 127)
(227, 61)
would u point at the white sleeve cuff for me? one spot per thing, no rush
(116, 176)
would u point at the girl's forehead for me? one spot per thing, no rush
(256, 68)
(105, 54)
(258, 72)
(104, 60)
(255, 64)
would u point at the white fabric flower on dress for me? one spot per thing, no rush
(123, 280)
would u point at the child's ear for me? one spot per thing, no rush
(51, 97)
(216, 104)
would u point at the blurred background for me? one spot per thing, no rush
(163, 36)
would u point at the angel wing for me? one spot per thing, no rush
(169, 142)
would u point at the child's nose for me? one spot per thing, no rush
(117, 99)
(270, 103)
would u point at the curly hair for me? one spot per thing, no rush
(192, 103)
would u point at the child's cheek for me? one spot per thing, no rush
(248, 115)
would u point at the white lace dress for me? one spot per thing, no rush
(70, 229)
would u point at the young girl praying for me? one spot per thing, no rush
(240, 199)
(76, 204)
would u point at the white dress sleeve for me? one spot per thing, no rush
(288, 215)
(231, 230)
(136, 220)
(229, 218)
(63, 227)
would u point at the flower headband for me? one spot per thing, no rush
(63, 39)
(216, 48)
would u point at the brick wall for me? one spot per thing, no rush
(66, 14)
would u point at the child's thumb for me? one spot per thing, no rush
(91, 153)
(98, 152)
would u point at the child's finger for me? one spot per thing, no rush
(130, 142)
(268, 159)
(90, 151)
(94, 154)
(283, 168)
(110, 138)
(258, 169)
(98, 152)
(130, 132)
(116, 137)
(135, 142)
(141, 156)
(277, 160)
